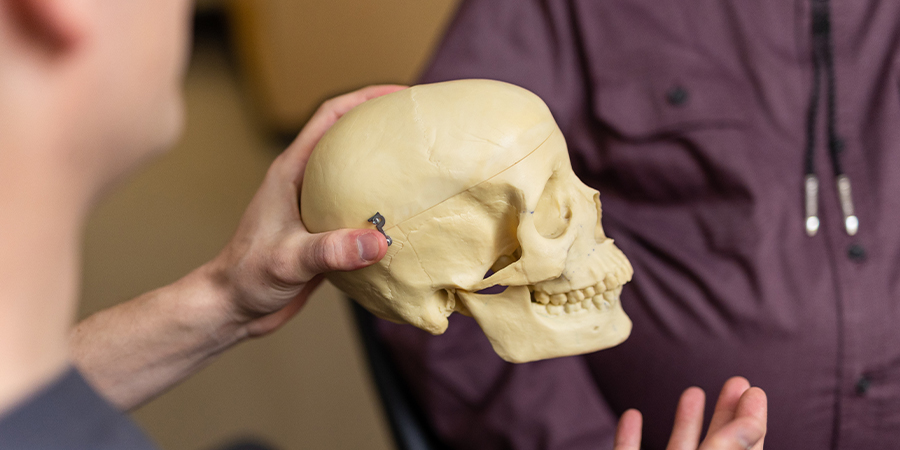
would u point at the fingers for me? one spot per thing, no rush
(727, 403)
(739, 420)
(742, 433)
(328, 113)
(333, 109)
(753, 404)
(628, 433)
(338, 250)
(688, 420)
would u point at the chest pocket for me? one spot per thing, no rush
(646, 107)
(673, 137)
(680, 139)
(671, 116)
(660, 68)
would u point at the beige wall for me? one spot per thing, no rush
(335, 46)
(306, 386)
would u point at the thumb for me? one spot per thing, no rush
(341, 250)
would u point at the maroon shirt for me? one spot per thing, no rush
(690, 118)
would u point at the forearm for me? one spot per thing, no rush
(137, 350)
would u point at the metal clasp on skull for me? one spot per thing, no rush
(378, 220)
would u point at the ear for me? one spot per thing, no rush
(54, 24)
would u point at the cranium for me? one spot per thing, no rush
(472, 175)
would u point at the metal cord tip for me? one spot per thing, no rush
(812, 204)
(851, 223)
(812, 226)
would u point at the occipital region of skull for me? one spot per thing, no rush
(472, 176)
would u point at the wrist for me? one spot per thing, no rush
(219, 302)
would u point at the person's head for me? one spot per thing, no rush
(90, 88)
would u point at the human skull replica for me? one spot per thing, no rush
(471, 175)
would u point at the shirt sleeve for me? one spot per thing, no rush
(69, 415)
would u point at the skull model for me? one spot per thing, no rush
(472, 176)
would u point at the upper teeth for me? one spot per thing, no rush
(600, 296)
(550, 304)
(571, 297)
(612, 281)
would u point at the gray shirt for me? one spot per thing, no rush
(68, 414)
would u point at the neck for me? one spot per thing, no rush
(40, 227)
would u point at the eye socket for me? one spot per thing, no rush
(552, 214)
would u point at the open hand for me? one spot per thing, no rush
(738, 422)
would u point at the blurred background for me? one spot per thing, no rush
(258, 71)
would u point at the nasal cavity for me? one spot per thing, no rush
(599, 235)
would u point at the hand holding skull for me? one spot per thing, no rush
(471, 176)
(273, 262)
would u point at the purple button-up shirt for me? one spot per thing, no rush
(690, 118)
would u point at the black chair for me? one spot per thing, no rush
(247, 443)
(408, 425)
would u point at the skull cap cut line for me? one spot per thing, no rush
(472, 175)
(400, 224)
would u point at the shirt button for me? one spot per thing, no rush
(863, 385)
(856, 253)
(677, 96)
(838, 145)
